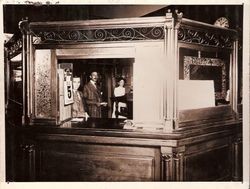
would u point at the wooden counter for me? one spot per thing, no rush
(101, 150)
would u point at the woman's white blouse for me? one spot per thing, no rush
(119, 91)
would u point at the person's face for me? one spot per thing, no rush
(76, 83)
(94, 76)
(121, 83)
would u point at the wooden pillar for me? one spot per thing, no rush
(167, 167)
(29, 75)
(31, 162)
(24, 28)
(178, 167)
(234, 78)
(172, 164)
(27, 162)
(170, 87)
(166, 164)
(237, 162)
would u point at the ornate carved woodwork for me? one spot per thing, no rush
(204, 37)
(166, 167)
(98, 35)
(14, 47)
(172, 167)
(172, 29)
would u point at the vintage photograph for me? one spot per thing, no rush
(123, 92)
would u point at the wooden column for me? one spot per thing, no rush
(172, 164)
(29, 75)
(166, 167)
(170, 87)
(24, 28)
(27, 163)
(234, 78)
(237, 169)
(31, 162)
(178, 167)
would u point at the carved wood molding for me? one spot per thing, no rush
(205, 37)
(98, 35)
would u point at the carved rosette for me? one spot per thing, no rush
(98, 35)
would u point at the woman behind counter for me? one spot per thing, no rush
(119, 92)
(78, 110)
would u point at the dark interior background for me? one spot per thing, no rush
(37, 12)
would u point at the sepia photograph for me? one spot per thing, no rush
(131, 93)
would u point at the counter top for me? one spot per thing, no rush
(110, 130)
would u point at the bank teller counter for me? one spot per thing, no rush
(171, 132)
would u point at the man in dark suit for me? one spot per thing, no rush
(92, 96)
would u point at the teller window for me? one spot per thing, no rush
(106, 86)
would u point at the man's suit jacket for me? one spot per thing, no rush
(92, 96)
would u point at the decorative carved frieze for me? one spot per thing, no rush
(98, 35)
(14, 47)
(204, 37)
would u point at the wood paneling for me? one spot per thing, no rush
(209, 166)
(96, 167)
(205, 113)
(83, 162)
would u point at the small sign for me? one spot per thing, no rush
(194, 94)
(68, 89)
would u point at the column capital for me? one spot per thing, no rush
(173, 20)
(24, 26)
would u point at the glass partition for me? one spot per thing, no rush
(204, 78)
(110, 93)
